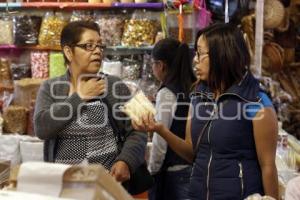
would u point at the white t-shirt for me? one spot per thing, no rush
(166, 103)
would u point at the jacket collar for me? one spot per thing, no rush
(247, 89)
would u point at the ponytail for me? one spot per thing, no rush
(177, 58)
(182, 73)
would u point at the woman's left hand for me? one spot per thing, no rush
(120, 171)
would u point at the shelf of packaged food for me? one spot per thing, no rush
(63, 5)
(123, 50)
(112, 48)
(129, 48)
(3, 47)
(109, 48)
(81, 5)
(138, 5)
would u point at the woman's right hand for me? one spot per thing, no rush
(147, 123)
(91, 88)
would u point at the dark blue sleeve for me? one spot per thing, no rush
(253, 108)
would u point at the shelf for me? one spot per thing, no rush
(63, 5)
(3, 47)
(115, 48)
(82, 5)
(139, 5)
(111, 48)
(10, 5)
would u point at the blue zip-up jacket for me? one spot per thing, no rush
(226, 164)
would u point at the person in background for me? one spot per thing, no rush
(231, 132)
(74, 113)
(171, 65)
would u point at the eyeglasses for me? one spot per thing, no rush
(153, 62)
(90, 46)
(201, 54)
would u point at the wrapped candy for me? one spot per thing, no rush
(56, 64)
(111, 29)
(20, 70)
(6, 30)
(51, 28)
(39, 64)
(79, 15)
(131, 70)
(26, 29)
(5, 74)
(139, 32)
(15, 119)
(141, 29)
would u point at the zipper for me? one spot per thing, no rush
(242, 180)
(208, 175)
(208, 166)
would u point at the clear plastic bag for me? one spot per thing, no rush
(147, 72)
(15, 119)
(141, 29)
(6, 30)
(51, 28)
(112, 67)
(188, 26)
(6, 98)
(148, 83)
(79, 15)
(26, 91)
(111, 28)
(56, 64)
(20, 70)
(26, 29)
(5, 74)
(131, 69)
(39, 64)
(149, 87)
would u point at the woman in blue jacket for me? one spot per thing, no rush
(231, 131)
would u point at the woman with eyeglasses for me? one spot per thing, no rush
(75, 113)
(171, 65)
(231, 131)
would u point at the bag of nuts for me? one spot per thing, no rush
(15, 119)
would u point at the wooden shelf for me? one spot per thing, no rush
(30, 47)
(111, 48)
(139, 5)
(82, 5)
(64, 5)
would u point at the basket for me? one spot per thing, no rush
(284, 26)
(274, 53)
(289, 55)
(273, 13)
